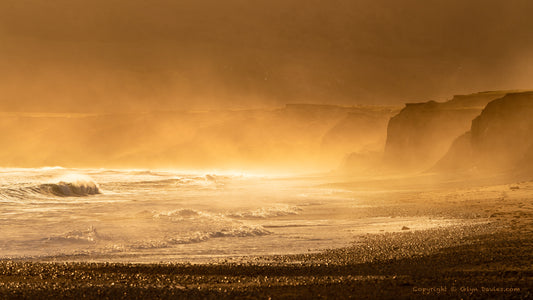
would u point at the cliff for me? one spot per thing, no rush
(501, 138)
(362, 130)
(422, 132)
(503, 133)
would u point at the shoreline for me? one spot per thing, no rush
(466, 262)
(490, 255)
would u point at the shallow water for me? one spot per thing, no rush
(153, 216)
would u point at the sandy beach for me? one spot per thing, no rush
(487, 256)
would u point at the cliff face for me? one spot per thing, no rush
(359, 138)
(361, 131)
(458, 157)
(503, 133)
(501, 138)
(422, 132)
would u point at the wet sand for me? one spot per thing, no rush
(489, 256)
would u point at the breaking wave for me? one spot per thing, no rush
(179, 214)
(261, 213)
(77, 236)
(198, 237)
(216, 225)
(70, 189)
(67, 186)
(192, 181)
(264, 213)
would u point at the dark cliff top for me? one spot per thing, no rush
(470, 101)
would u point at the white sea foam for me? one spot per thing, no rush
(65, 186)
(198, 237)
(269, 212)
(184, 213)
(71, 185)
(76, 236)
(260, 213)
(145, 213)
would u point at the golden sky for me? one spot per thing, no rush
(138, 55)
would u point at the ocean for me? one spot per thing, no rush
(146, 216)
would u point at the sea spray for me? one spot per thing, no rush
(72, 185)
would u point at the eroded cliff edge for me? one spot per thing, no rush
(500, 139)
(422, 133)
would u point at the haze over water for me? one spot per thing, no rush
(152, 216)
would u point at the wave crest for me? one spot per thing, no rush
(76, 236)
(198, 237)
(67, 186)
(264, 213)
(182, 214)
(71, 186)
